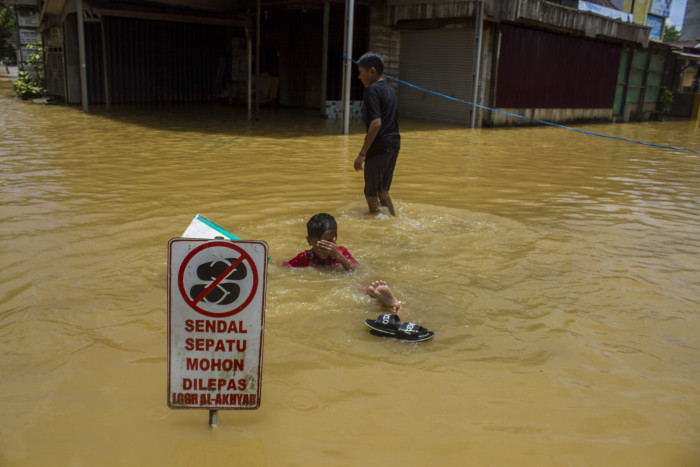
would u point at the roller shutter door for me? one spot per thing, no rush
(439, 60)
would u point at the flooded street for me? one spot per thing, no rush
(559, 271)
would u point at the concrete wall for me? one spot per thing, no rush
(547, 115)
(691, 23)
(488, 71)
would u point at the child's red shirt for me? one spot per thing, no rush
(309, 258)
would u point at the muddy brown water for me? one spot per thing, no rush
(559, 271)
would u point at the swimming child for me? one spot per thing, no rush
(322, 231)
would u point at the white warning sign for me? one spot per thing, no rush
(216, 318)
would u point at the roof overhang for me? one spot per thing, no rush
(216, 12)
(687, 56)
(535, 13)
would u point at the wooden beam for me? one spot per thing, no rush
(82, 56)
(324, 57)
(105, 63)
(257, 64)
(162, 16)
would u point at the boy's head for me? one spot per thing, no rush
(371, 68)
(322, 226)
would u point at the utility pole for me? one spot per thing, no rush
(347, 63)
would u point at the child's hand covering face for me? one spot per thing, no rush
(327, 249)
(325, 246)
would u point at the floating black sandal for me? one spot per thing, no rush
(389, 325)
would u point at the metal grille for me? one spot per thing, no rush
(440, 60)
(539, 69)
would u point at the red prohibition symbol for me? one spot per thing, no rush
(194, 299)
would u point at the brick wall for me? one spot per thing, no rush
(386, 41)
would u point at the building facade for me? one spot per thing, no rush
(532, 58)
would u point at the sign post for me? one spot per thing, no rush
(216, 319)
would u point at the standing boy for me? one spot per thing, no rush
(322, 233)
(380, 109)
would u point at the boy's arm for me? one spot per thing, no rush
(371, 135)
(347, 263)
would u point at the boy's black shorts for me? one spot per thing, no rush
(379, 170)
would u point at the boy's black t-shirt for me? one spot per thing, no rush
(380, 101)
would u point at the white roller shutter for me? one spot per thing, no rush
(439, 60)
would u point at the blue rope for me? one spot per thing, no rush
(345, 57)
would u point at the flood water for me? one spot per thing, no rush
(559, 271)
